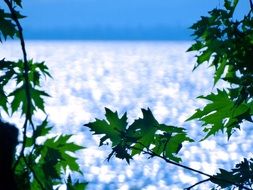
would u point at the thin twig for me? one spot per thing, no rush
(21, 154)
(25, 74)
(152, 153)
(28, 119)
(26, 65)
(251, 4)
(34, 174)
(198, 183)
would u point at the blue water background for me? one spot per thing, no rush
(128, 76)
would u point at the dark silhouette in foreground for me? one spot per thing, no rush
(8, 142)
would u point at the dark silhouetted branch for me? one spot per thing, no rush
(28, 119)
(153, 154)
(251, 5)
(198, 183)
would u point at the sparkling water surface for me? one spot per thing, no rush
(128, 76)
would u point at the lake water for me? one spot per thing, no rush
(128, 76)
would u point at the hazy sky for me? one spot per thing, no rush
(63, 18)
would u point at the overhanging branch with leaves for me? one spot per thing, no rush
(37, 165)
(226, 44)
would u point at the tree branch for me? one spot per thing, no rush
(251, 5)
(28, 113)
(26, 65)
(152, 154)
(25, 74)
(34, 174)
(198, 183)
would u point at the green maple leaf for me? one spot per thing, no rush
(36, 96)
(42, 129)
(7, 28)
(221, 113)
(62, 145)
(3, 100)
(19, 100)
(170, 141)
(36, 70)
(8, 71)
(143, 134)
(18, 2)
(146, 128)
(75, 185)
(241, 175)
(111, 128)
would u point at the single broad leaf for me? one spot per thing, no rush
(174, 145)
(198, 45)
(221, 113)
(36, 71)
(3, 100)
(75, 185)
(29, 142)
(65, 148)
(119, 124)
(220, 70)
(146, 127)
(19, 100)
(42, 129)
(112, 128)
(36, 96)
(8, 71)
(223, 177)
(40, 169)
(34, 77)
(7, 28)
(241, 175)
(170, 129)
(170, 142)
(18, 2)
(204, 56)
(42, 68)
(52, 158)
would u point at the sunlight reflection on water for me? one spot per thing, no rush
(127, 76)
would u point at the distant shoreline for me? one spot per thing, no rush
(108, 34)
(97, 41)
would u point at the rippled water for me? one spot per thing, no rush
(128, 76)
